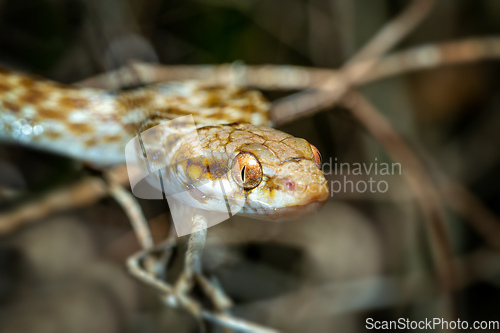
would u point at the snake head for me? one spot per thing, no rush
(256, 171)
(280, 176)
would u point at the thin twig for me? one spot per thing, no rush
(394, 31)
(236, 324)
(418, 180)
(424, 57)
(134, 213)
(85, 192)
(89, 190)
(358, 65)
(134, 266)
(468, 206)
(286, 77)
(191, 273)
(423, 188)
(221, 301)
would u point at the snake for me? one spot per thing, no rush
(277, 175)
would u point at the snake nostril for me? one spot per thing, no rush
(290, 185)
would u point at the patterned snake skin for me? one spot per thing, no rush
(277, 174)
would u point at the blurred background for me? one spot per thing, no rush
(364, 255)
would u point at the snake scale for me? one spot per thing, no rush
(279, 176)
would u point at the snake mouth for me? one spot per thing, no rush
(291, 205)
(288, 213)
(299, 211)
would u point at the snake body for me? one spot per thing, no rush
(276, 174)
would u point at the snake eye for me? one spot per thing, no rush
(246, 171)
(317, 155)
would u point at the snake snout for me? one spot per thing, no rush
(307, 186)
(317, 192)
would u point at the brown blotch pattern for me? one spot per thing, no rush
(130, 128)
(132, 102)
(90, 142)
(68, 102)
(51, 114)
(32, 96)
(212, 101)
(11, 106)
(111, 138)
(80, 128)
(4, 87)
(213, 88)
(52, 135)
(26, 82)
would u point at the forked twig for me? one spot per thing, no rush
(89, 190)
(288, 77)
(178, 297)
(330, 85)
(417, 178)
(289, 109)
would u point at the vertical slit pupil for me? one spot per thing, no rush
(243, 173)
